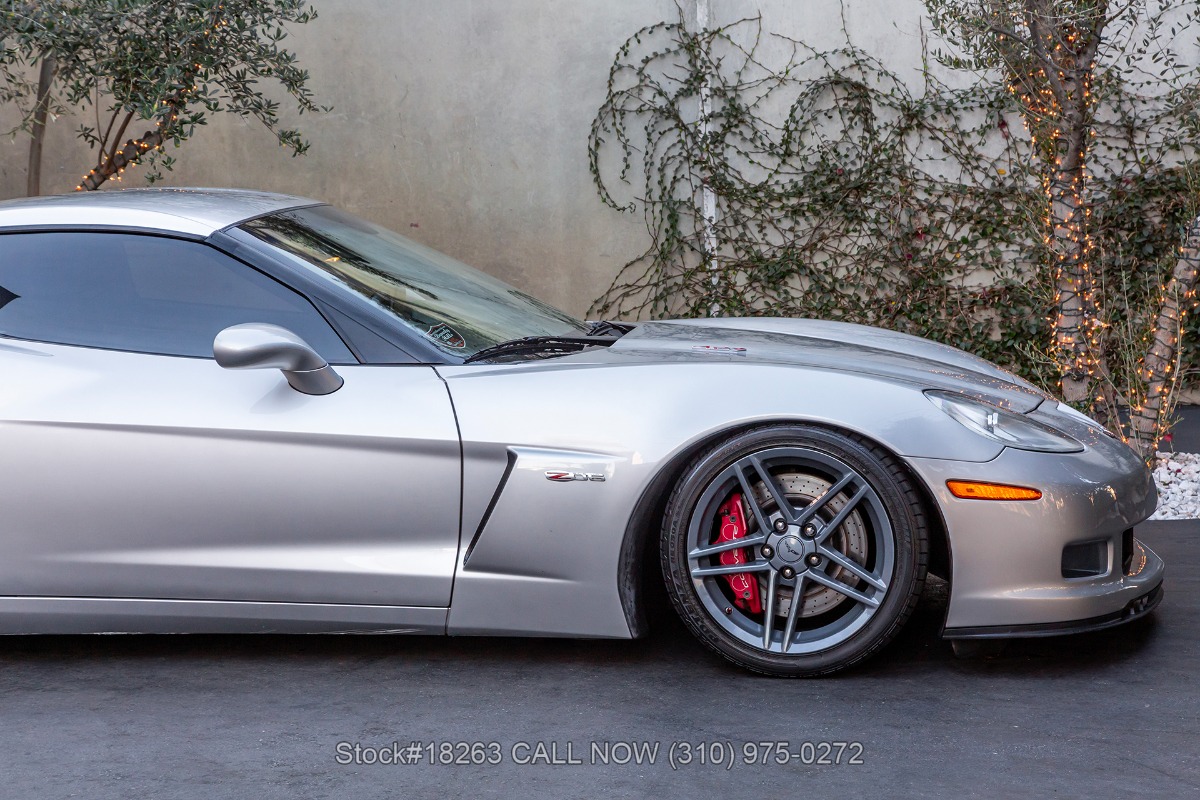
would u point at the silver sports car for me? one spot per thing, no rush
(233, 411)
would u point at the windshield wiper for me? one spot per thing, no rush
(541, 346)
(606, 328)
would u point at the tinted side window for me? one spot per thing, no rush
(144, 294)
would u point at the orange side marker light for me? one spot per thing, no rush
(977, 490)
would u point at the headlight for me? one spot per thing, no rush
(1005, 427)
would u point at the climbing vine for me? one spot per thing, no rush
(841, 193)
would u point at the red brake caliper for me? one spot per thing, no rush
(733, 526)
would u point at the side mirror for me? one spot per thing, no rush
(257, 345)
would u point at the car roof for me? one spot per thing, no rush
(193, 211)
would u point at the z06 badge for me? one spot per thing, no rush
(564, 477)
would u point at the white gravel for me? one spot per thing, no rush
(1178, 479)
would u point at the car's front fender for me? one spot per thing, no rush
(544, 557)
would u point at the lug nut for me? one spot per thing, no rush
(788, 572)
(780, 525)
(768, 551)
(814, 560)
(810, 530)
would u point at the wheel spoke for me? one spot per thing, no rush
(841, 588)
(733, 544)
(812, 508)
(730, 569)
(841, 515)
(769, 611)
(789, 630)
(853, 567)
(768, 481)
(748, 493)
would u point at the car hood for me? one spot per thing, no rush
(830, 345)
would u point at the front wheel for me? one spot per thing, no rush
(794, 550)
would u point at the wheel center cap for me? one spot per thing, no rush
(790, 548)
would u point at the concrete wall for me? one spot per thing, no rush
(464, 123)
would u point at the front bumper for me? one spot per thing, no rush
(1008, 574)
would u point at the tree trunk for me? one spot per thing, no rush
(33, 176)
(131, 151)
(1146, 423)
(1072, 283)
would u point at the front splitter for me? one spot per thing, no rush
(1136, 608)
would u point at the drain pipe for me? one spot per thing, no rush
(708, 197)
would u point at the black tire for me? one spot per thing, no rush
(884, 533)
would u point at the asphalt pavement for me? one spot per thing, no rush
(1107, 714)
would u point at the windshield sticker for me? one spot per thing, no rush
(718, 348)
(446, 335)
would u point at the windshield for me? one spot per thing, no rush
(458, 308)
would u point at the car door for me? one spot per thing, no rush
(133, 466)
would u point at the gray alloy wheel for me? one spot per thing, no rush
(795, 550)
